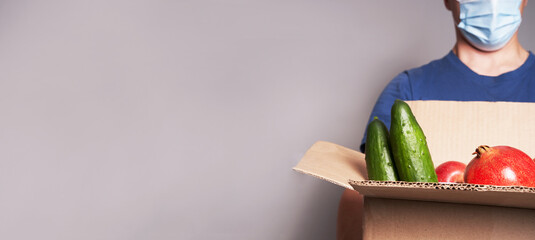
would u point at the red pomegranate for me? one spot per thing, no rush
(502, 166)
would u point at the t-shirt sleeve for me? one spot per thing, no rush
(398, 88)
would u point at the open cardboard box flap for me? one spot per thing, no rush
(453, 131)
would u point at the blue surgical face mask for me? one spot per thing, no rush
(489, 24)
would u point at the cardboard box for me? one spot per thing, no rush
(404, 210)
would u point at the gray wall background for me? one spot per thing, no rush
(163, 119)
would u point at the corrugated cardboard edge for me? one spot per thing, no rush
(345, 185)
(505, 196)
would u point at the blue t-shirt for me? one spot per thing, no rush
(450, 79)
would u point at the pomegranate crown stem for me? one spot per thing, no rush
(481, 149)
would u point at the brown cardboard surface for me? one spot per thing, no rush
(333, 163)
(455, 129)
(403, 219)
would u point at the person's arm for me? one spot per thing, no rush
(350, 208)
(349, 221)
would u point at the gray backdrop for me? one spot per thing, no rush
(155, 119)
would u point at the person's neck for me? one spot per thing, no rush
(495, 63)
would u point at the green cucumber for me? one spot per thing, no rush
(409, 146)
(379, 161)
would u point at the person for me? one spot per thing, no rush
(487, 63)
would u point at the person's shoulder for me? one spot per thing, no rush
(431, 70)
(431, 66)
